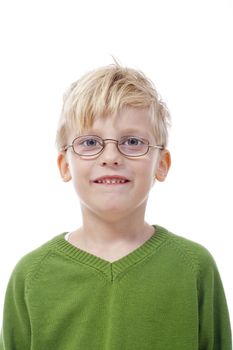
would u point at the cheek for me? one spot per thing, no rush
(148, 169)
(144, 177)
(79, 176)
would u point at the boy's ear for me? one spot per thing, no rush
(63, 167)
(163, 166)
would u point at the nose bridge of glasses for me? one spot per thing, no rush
(114, 147)
(106, 141)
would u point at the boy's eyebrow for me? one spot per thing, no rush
(131, 131)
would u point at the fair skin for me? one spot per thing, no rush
(113, 216)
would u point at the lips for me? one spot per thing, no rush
(111, 179)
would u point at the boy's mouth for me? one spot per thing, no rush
(111, 180)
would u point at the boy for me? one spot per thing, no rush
(117, 282)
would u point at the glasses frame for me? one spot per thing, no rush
(65, 148)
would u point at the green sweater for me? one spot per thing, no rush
(165, 295)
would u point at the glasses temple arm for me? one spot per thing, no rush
(157, 146)
(65, 148)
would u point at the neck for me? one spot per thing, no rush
(107, 231)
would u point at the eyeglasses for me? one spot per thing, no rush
(91, 145)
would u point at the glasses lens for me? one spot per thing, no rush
(88, 145)
(133, 146)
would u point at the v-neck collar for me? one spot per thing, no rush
(111, 269)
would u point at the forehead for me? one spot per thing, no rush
(129, 120)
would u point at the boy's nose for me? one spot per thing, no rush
(110, 153)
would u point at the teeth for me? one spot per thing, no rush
(113, 181)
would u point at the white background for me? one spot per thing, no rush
(184, 46)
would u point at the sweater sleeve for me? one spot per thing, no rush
(15, 334)
(214, 326)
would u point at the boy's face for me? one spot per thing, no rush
(114, 201)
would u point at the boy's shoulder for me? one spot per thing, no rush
(32, 260)
(194, 253)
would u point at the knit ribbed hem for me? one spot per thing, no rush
(111, 269)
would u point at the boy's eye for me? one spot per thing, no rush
(132, 141)
(90, 142)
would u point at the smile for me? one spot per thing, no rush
(111, 182)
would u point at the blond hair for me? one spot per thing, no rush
(105, 91)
